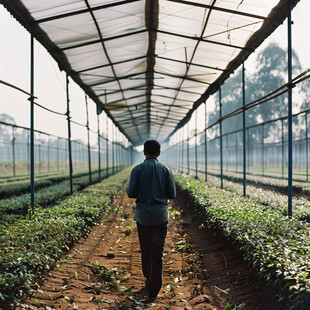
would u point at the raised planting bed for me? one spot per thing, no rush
(16, 207)
(300, 205)
(18, 188)
(29, 247)
(276, 246)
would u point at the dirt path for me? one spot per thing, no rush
(103, 271)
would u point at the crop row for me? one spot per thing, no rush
(31, 246)
(276, 183)
(19, 188)
(15, 207)
(274, 199)
(275, 245)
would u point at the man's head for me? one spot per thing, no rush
(151, 149)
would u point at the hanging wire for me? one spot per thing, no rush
(18, 88)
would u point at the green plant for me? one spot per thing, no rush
(31, 246)
(275, 245)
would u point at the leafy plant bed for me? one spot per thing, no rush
(275, 245)
(19, 188)
(31, 246)
(266, 196)
(15, 207)
(275, 183)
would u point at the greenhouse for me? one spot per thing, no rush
(93, 92)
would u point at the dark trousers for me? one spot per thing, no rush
(152, 241)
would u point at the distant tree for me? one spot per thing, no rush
(271, 73)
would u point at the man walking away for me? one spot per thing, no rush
(152, 183)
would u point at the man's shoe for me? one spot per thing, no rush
(152, 299)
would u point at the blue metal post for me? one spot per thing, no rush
(221, 136)
(32, 120)
(206, 144)
(107, 144)
(48, 154)
(39, 153)
(13, 151)
(243, 131)
(99, 156)
(28, 153)
(57, 154)
(282, 147)
(307, 151)
(113, 162)
(188, 169)
(196, 147)
(263, 149)
(69, 133)
(290, 120)
(236, 143)
(88, 141)
(182, 158)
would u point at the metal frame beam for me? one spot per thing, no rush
(102, 40)
(192, 64)
(201, 39)
(183, 77)
(96, 8)
(124, 90)
(116, 79)
(215, 8)
(173, 88)
(113, 63)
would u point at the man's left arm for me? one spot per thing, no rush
(171, 186)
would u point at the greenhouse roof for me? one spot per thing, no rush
(149, 63)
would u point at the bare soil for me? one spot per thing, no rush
(103, 271)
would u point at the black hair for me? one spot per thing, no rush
(151, 147)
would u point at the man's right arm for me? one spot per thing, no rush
(133, 186)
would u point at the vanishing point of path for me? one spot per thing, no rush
(103, 271)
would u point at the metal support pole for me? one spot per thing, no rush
(263, 150)
(188, 169)
(227, 161)
(58, 154)
(236, 142)
(178, 152)
(221, 135)
(282, 147)
(117, 151)
(13, 151)
(196, 147)
(99, 156)
(244, 131)
(206, 143)
(307, 151)
(113, 162)
(182, 158)
(28, 153)
(88, 141)
(32, 120)
(48, 154)
(107, 144)
(39, 153)
(69, 133)
(290, 120)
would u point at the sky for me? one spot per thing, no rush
(50, 82)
